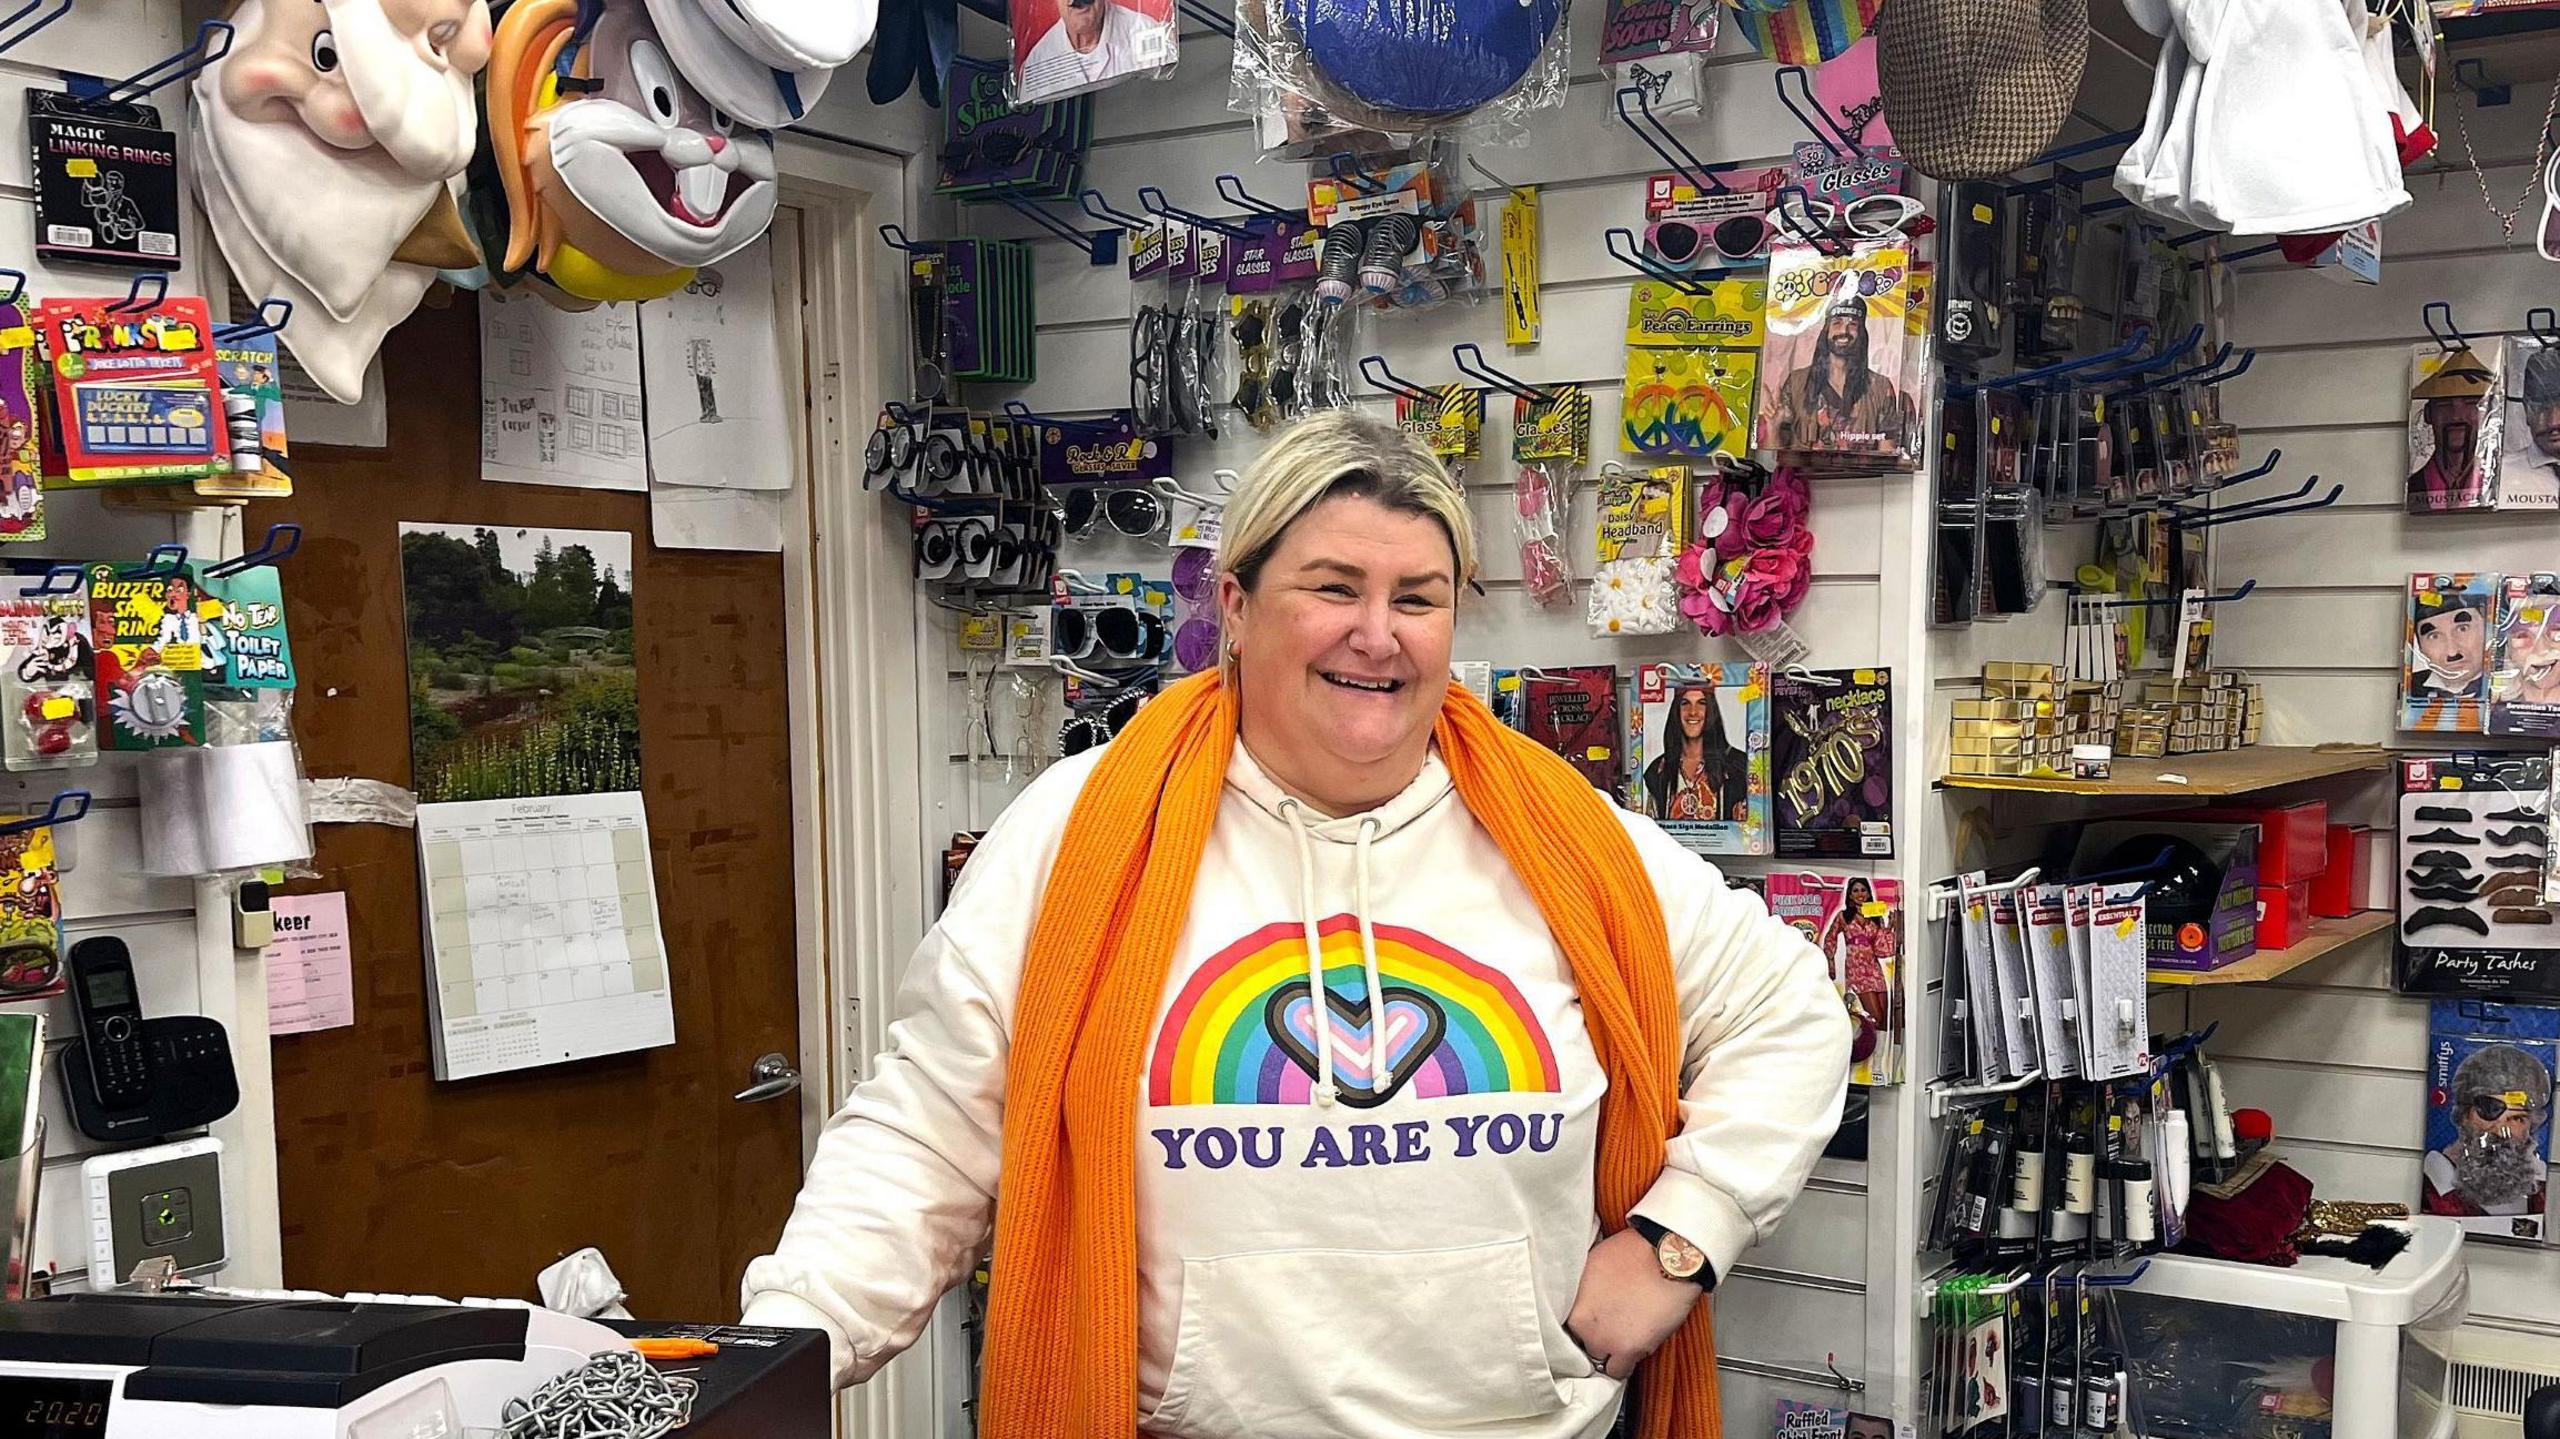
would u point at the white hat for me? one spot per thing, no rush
(797, 34)
(753, 92)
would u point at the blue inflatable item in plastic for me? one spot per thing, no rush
(1423, 57)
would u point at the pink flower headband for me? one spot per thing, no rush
(1752, 558)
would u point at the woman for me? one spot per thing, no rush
(1699, 774)
(1409, 1018)
(1856, 945)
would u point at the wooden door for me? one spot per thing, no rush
(392, 1181)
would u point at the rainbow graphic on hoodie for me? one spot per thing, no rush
(1241, 1030)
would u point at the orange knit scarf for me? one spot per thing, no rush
(1062, 1334)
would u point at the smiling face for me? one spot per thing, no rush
(1342, 650)
(2451, 643)
(651, 159)
(1693, 714)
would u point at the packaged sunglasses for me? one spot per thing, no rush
(1683, 243)
(1134, 510)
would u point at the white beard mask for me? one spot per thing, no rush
(327, 217)
(334, 346)
(418, 104)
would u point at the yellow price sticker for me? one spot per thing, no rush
(1982, 215)
(2101, 415)
(2124, 929)
(80, 169)
(1507, 683)
(57, 707)
(1875, 909)
(17, 337)
(2430, 597)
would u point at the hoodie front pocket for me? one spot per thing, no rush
(1326, 1342)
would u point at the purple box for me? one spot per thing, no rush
(2229, 932)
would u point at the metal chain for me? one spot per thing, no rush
(2541, 154)
(615, 1395)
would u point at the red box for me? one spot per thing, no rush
(2293, 839)
(2284, 914)
(2346, 886)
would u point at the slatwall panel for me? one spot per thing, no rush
(2330, 1051)
(1801, 1297)
(107, 893)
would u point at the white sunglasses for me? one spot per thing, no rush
(1871, 217)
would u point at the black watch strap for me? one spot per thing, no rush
(1652, 1233)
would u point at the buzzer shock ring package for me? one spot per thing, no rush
(151, 636)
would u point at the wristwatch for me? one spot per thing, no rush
(1679, 1258)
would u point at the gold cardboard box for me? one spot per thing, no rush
(2016, 670)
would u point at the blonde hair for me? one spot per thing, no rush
(1335, 453)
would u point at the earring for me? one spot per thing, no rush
(1231, 651)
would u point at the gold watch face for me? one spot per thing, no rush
(1679, 1258)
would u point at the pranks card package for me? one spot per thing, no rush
(1704, 761)
(134, 392)
(2489, 1082)
(2444, 680)
(1831, 748)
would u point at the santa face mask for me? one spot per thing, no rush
(361, 74)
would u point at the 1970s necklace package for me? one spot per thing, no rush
(1831, 741)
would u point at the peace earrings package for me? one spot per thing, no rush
(1703, 766)
(46, 687)
(1691, 368)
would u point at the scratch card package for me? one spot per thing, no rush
(2444, 676)
(2473, 847)
(150, 634)
(1703, 765)
(1831, 747)
(134, 393)
(46, 687)
(253, 413)
(1574, 711)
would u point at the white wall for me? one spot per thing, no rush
(183, 959)
(1805, 1295)
(2330, 1051)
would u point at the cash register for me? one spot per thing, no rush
(185, 1366)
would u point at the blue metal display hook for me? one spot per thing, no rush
(2061, 177)
(1016, 410)
(2141, 334)
(1373, 368)
(263, 325)
(2087, 147)
(1152, 200)
(164, 562)
(1221, 24)
(2093, 1281)
(69, 806)
(156, 280)
(1635, 259)
(1095, 206)
(895, 237)
(17, 285)
(1810, 114)
(2154, 865)
(22, 12)
(280, 544)
(1345, 167)
(1101, 247)
(2185, 346)
(57, 580)
(2241, 593)
(212, 42)
(1471, 363)
(2264, 509)
(1658, 138)
(1231, 189)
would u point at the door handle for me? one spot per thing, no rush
(773, 1078)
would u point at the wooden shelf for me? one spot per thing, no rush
(2325, 935)
(2201, 776)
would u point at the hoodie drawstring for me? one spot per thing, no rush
(1326, 1091)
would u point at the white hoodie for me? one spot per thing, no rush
(1397, 1263)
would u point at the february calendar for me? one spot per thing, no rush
(543, 942)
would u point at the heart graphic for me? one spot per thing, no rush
(1414, 1026)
